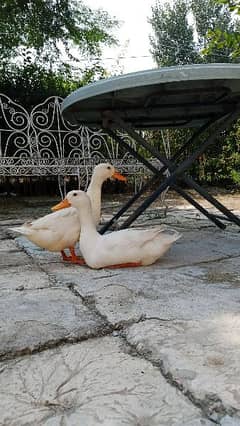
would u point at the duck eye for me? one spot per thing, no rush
(75, 194)
(109, 167)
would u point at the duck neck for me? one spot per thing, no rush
(86, 220)
(94, 192)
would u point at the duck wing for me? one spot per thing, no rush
(166, 235)
(54, 220)
(59, 220)
(131, 238)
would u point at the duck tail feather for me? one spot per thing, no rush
(21, 230)
(173, 234)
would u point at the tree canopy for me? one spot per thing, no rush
(49, 47)
(173, 41)
(227, 38)
(51, 29)
(182, 31)
(199, 31)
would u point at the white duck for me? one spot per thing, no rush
(128, 247)
(61, 229)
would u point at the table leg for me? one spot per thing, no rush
(150, 199)
(224, 122)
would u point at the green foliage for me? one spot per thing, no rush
(31, 84)
(183, 32)
(211, 17)
(233, 5)
(226, 38)
(51, 27)
(222, 165)
(173, 41)
(40, 43)
(215, 40)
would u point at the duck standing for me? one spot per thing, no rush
(61, 230)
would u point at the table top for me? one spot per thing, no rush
(179, 96)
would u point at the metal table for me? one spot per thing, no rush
(204, 97)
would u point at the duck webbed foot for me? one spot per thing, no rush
(73, 258)
(124, 265)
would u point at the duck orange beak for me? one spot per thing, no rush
(62, 205)
(118, 176)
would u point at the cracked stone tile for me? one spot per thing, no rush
(167, 296)
(11, 253)
(32, 319)
(212, 245)
(127, 295)
(4, 234)
(8, 245)
(225, 272)
(201, 357)
(87, 280)
(92, 383)
(17, 214)
(187, 217)
(190, 249)
(38, 254)
(22, 277)
(13, 257)
(188, 292)
(230, 421)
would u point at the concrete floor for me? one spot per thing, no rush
(149, 346)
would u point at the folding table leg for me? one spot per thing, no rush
(188, 180)
(179, 170)
(232, 217)
(128, 204)
(151, 199)
(155, 195)
(153, 179)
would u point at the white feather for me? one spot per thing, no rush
(126, 246)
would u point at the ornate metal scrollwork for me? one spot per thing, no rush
(42, 143)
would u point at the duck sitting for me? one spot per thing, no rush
(61, 229)
(125, 248)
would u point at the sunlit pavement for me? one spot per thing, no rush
(149, 346)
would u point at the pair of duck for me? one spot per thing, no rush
(75, 219)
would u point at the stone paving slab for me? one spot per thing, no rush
(200, 296)
(202, 246)
(190, 249)
(201, 357)
(22, 277)
(5, 233)
(89, 384)
(182, 216)
(192, 292)
(8, 245)
(41, 256)
(31, 320)
(179, 318)
(12, 258)
(230, 421)
(10, 254)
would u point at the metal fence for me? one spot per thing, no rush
(42, 143)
